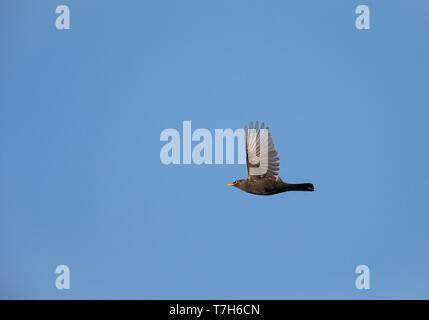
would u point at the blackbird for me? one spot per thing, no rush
(269, 182)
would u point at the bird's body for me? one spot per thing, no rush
(269, 186)
(259, 146)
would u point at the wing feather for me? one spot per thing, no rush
(257, 142)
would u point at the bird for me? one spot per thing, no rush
(268, 183)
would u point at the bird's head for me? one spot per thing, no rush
(237, 183)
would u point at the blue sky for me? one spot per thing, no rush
(82, 184)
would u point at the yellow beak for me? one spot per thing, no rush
(231, 184)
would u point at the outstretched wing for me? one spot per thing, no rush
(257, 142)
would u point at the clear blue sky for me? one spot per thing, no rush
(81, 182)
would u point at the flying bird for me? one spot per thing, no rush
(259, 144)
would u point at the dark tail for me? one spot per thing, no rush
(299, 187)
